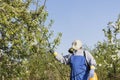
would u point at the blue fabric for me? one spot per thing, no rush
(91, 73)
(79, 69)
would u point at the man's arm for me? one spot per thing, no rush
(90, 59)
(63, 59)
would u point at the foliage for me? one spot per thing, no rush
(107, 53)
(25, 41)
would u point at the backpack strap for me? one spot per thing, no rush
(86, 59)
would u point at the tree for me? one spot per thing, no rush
(107, 52)
(25, 40)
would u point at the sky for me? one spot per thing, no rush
(81, 19)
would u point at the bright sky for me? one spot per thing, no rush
(81, 19)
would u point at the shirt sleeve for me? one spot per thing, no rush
(90, 59)
(63, 59)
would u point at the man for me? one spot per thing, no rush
(78, 59)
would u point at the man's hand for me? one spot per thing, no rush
(92, 71)
(53, 52)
